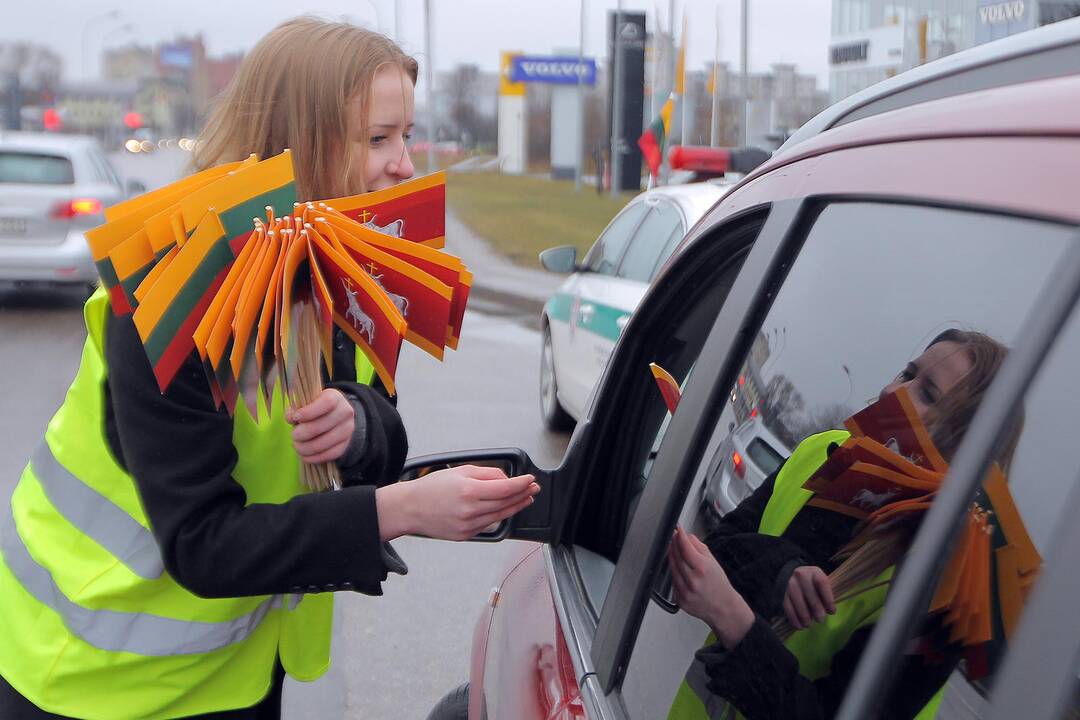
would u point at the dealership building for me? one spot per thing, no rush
(876, 39)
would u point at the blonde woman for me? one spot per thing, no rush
(158, 559)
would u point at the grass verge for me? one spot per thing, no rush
(520, 216)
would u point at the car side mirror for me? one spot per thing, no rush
(134, 187)
(532, 523)
(562, 259)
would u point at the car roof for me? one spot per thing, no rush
(695, 199)
(45, 142)
(1050, 51)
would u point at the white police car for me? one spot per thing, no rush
(582, 320)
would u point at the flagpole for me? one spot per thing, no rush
(616, 102)
(685, 132)
(714, 134)
(581, 100)
(745, 134)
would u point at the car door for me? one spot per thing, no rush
(575, 360)
(845, 340)
(606, 305)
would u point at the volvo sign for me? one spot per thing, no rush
(555, 70)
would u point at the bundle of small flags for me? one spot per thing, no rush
(888, 472)
(228, 264)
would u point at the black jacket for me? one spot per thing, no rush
(179, 449)
(760, 676)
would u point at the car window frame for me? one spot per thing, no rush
(652, 203)
(765, 269)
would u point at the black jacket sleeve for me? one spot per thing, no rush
(758, 565)
(761, 678)
(179, 449)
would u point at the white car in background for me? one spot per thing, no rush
(53, 188)
(585, 316)
(750, 454)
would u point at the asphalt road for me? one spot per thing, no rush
(395, 655)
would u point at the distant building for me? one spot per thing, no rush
(876, 39)
(779, 102)
(132, 62)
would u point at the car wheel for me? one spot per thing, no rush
(454, 705)
(555, 417)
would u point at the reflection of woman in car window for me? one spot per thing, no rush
(754, 567)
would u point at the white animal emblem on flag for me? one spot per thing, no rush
(872, 500)
(393, 229)
(400, 301)
(359, 319)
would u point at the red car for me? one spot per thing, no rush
(947, 197)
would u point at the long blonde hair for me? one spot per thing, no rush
(292, 91)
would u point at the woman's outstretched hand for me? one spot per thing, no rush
(703, 590)
(452, 504)
(322, 428)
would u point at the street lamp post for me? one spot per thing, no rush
(111, 15)
(429, 90)
(744, 71)
(581, 101)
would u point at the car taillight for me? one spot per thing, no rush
(740, 466)
(74, 208)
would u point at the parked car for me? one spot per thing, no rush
(584, 317)
(861, 242)
(52, 189)
(749, 454)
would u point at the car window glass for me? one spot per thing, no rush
(677, 234)
(673, 341)
(604, 256)
(872, 287)
(649, 240)
(35, 169)
(1041, 469)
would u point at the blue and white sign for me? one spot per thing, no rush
(555, 70)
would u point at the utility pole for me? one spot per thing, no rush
(744, 135)
(616, 103)
(581, 101)
(714, 129)
(429, 80)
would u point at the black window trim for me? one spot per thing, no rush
(772, 254)
(914, 581)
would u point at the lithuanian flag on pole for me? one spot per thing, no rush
(653, 142)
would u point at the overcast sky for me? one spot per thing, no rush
(471, 31)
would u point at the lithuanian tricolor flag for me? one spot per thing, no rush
(669, 387)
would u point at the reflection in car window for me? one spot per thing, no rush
(764, 457)
(649, 240)
(1042, 474)
(860, 314)
(606, 253)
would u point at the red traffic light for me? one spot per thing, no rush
(133, 120)
(50, 119)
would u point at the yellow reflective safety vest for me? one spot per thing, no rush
(92, 626)
(815, 646)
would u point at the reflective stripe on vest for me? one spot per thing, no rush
(139, 633)
(96, 516)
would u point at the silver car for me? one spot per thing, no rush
(750, 454)
(52, 189)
